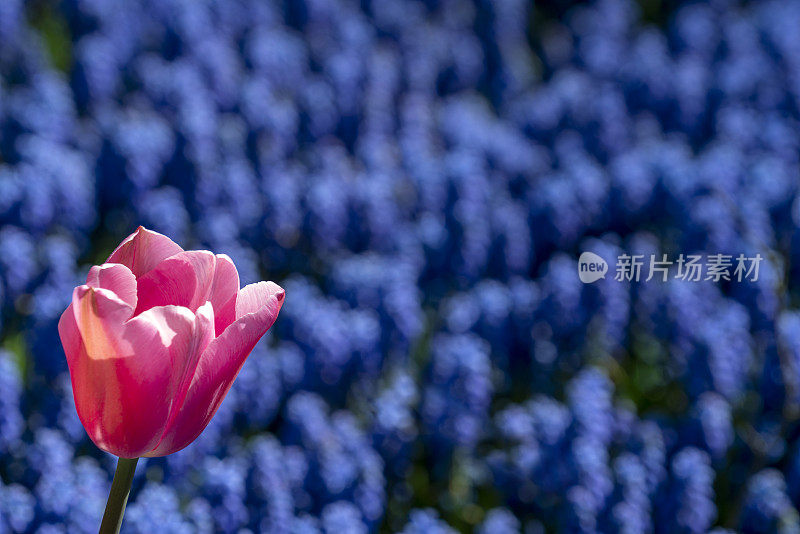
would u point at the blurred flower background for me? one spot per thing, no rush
(421, 177)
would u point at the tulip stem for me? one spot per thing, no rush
(118, 496)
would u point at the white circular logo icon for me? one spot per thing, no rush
(591, 267)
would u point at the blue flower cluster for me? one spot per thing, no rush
(421, 177)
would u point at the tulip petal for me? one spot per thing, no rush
(100, 315)
(127, 375)
(257, 307)
(224, 290)
(184, 279)
(143, 250)
(203, 335)
(71, 337)
(114, 277)
(254, 297)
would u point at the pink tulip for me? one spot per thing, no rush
(155, 339)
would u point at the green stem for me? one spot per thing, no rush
(118, 496)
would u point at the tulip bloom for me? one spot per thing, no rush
(154, 340)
